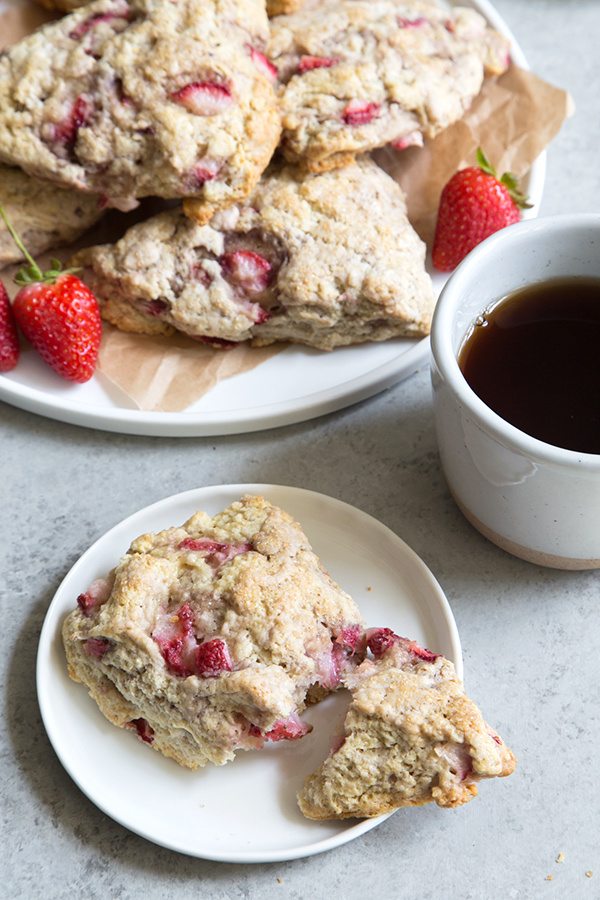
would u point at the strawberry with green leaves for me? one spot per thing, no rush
(474, 204)
(58, 314)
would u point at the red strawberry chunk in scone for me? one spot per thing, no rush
(174, 634)
(64, 133)
(97, 647)
(204, 98)
(263, 63)
(414, 139)
(291, 729)
(379, 640)
(360, 112)
(97, 594)
(212, 658)
(351, 639)
(206, 170)
(307, 63)
(144, 731)
(249, 271)
(412, 23)
(123, 13)
(458, 758)
(217, 554)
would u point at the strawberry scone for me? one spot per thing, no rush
(411, 736)
(207, 638)
(274, 7)
(45, 215)
(360, 74)
(129, 98)
(323, 260)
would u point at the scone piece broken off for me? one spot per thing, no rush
(43, 214)
(131, 98)
(411, 736)
(323, 260)
(360, 74)
(207, 638)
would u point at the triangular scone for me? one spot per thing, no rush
(323, 260)
(360, 74)
(207, 638)
(130, 98)
(45, 215)
(411, 736)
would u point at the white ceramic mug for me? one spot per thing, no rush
(533, 499)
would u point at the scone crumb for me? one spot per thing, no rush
(589, 873)
(549, 877)
(369, 588)
(560, 858)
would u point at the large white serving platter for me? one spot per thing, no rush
(245, 811)
(295, 385)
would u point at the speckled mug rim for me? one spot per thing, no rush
(449, 302)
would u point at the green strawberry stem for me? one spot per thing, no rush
(508, 180)
(32, 273)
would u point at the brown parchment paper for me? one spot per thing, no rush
(513, 119)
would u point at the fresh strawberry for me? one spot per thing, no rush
(473, 205)
(264, 64)
(360, 112)
(307, 63)
(204, 98)
(248, 270)
(9, 340)
(58, 314)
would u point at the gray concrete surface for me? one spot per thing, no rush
(531, 637)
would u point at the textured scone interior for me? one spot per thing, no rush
(411, 736)
(207, 638)
(131, 98)
(359, 74)
(325, 260)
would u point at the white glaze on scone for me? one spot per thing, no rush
(207, 638)
(412, 736)
(324, 260)
(359, 74)
(45, 215)
(147, 97)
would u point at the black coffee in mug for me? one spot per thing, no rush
(534, 358)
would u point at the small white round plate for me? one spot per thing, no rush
(295, 385)
(245, 811)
